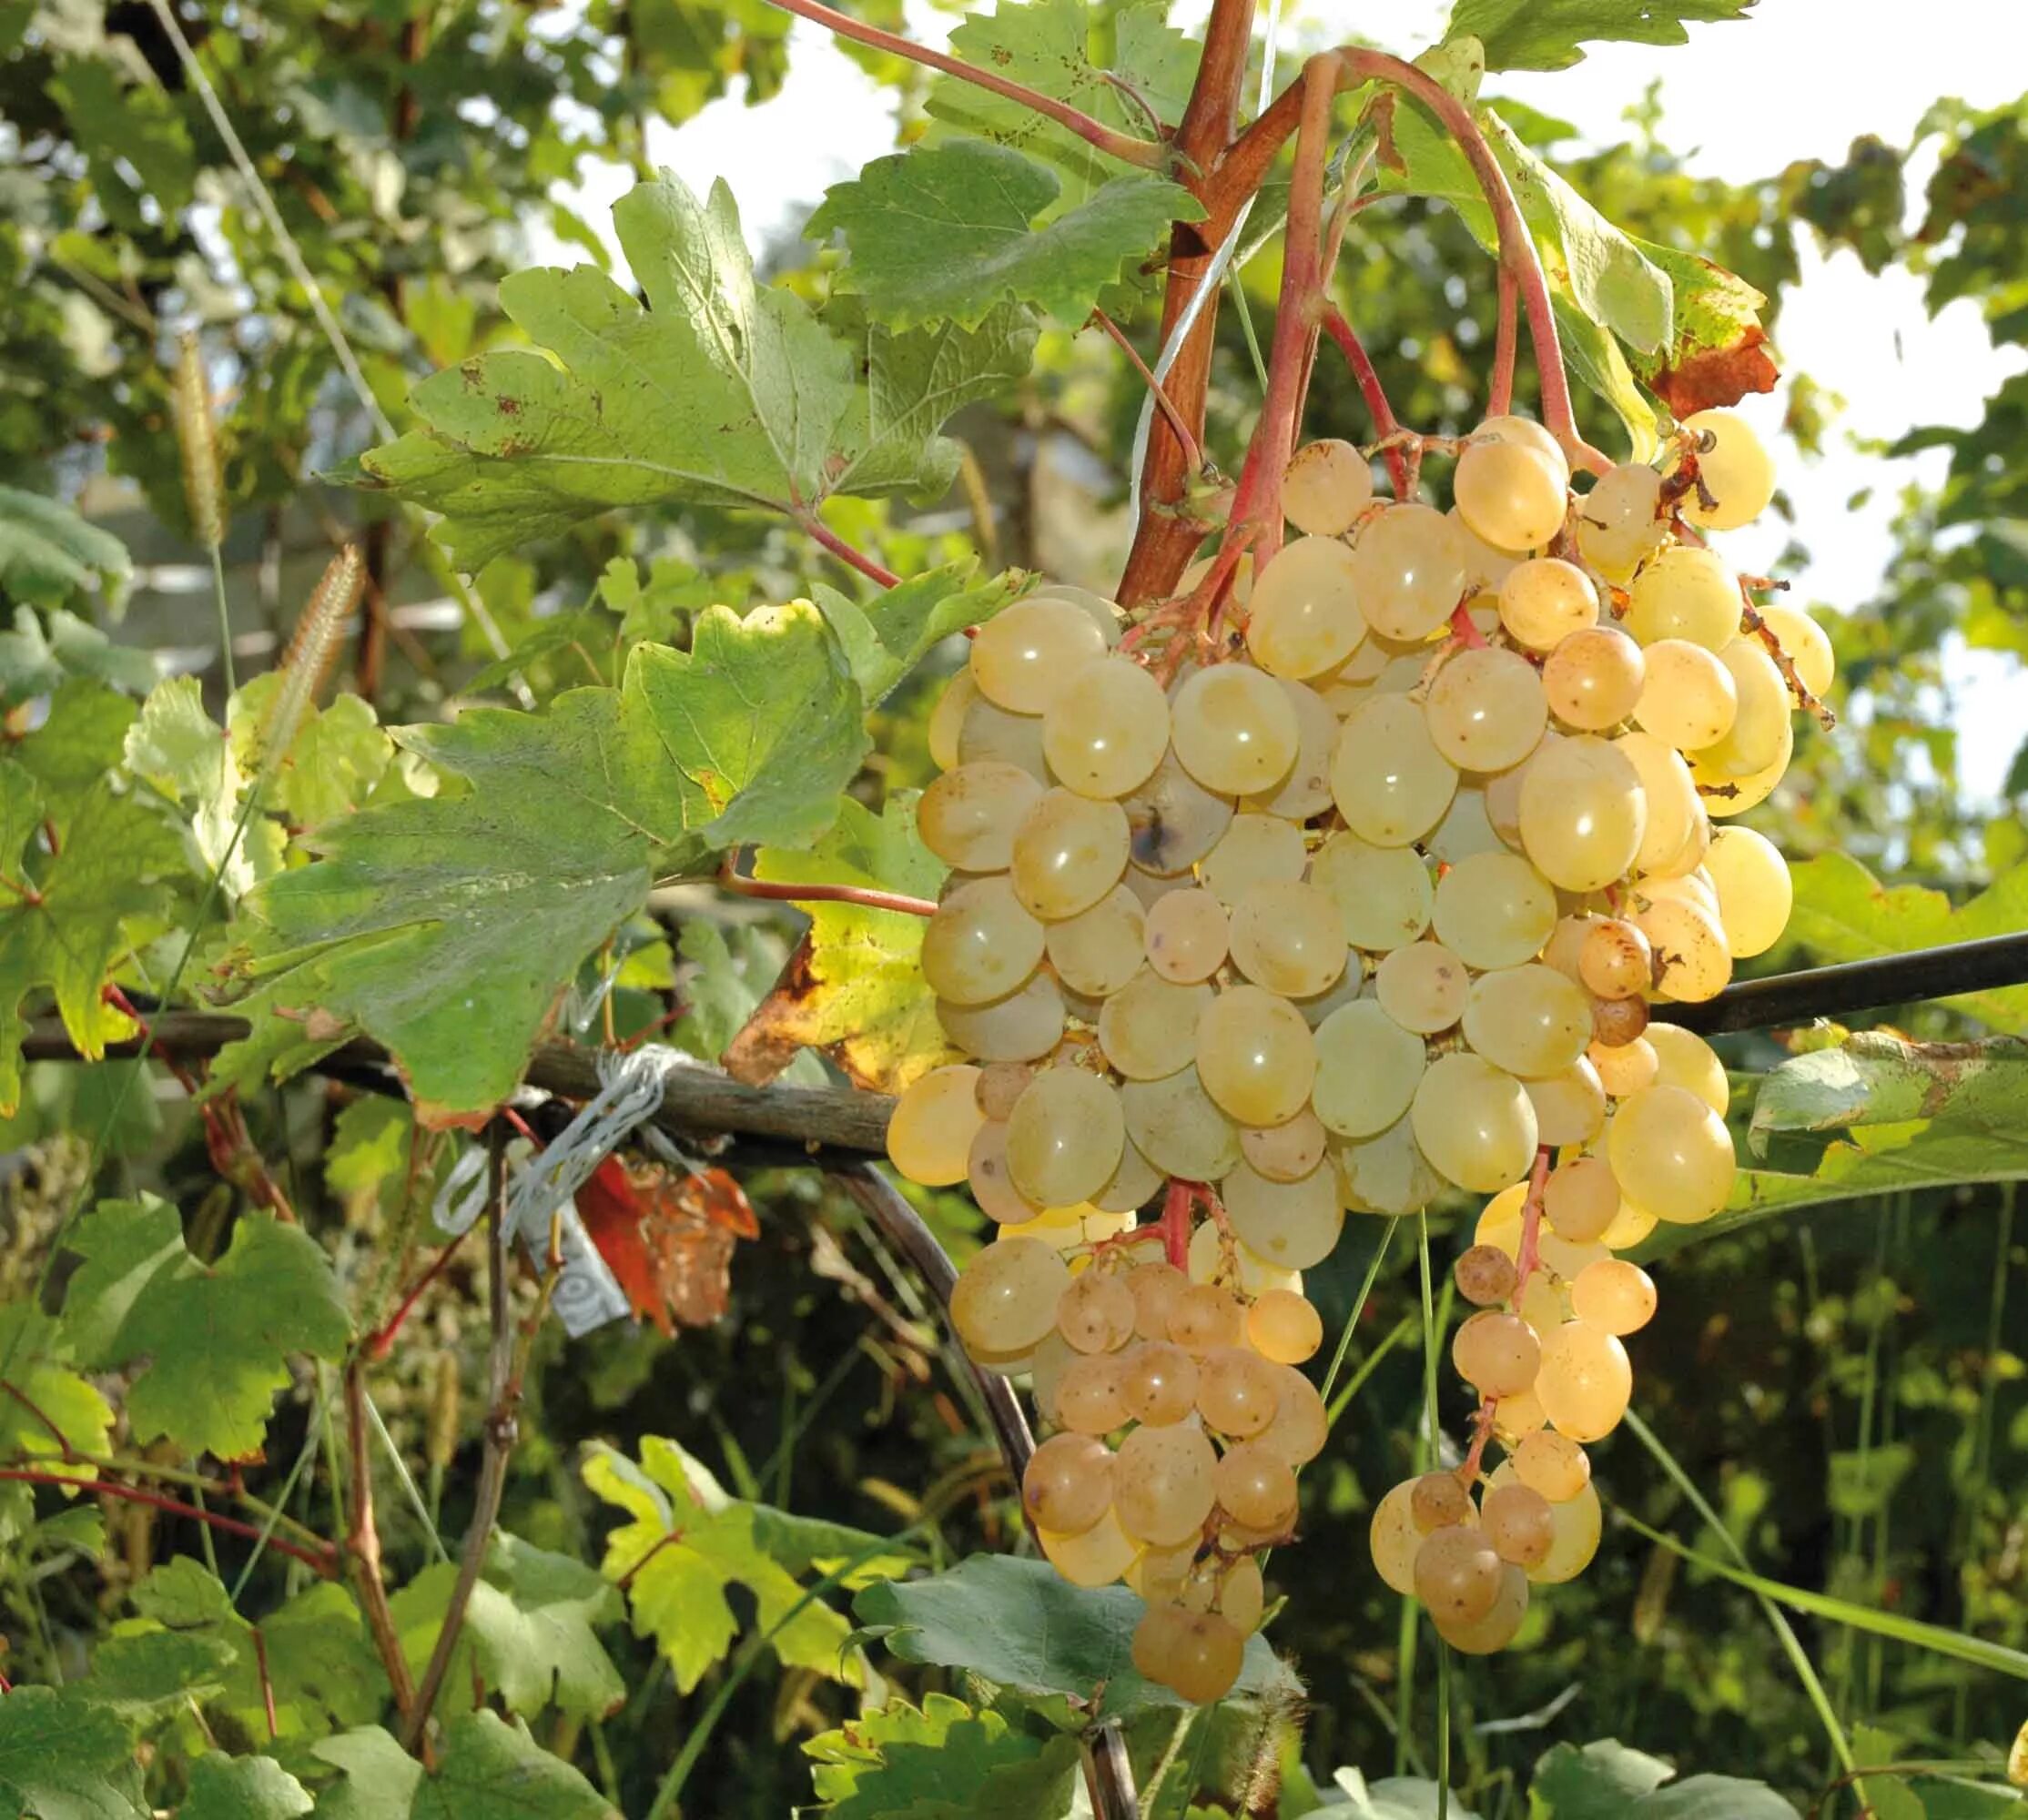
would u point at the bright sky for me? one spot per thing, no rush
(1800, 80)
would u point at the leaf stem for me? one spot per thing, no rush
(864, 896)
(1193, 455)
(1499, 394)
(323, 1564)
(362, 1543)
(382, 1343)
(823, 533)
(1147, 153)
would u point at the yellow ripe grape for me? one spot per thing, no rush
(1387, 1173)
(1672, 1155)
(1230, 1263)
(1551, 1464)
(1485, 567)
(1805, 645)
(1494, 1631)
(1438, 1500)
(1582, 814)
(1485, 1275)
(1515, 1418)
(1326, 485)
(981, 944)
(1179, 1128)
(1154, 1285)
(1067, 1485)
(1544, 600)
(1099, 950)
(1305, 789)
(1485, 709)
(1630, 1227)
(1564, 948)
(1457, 1574)
(991, 734)
(1106, 728)
(1586, 1380)
(1020, 657)
(1473, 1123)
(1409, 571)
(1350, 986)
(1368, 1066)
(1187, 937)
(1690, 699)
(1529, 1020)
(1465, 830)
(1087, 1394)
(1237, 1394)
(1304, 616)
(1162, 1480)
(1004, 1298)
(1496, 1354)
(1173, 821)
(967, 817)
(1668, 795)
(1625, 1068)
(1387, 777)
(1524, 431)
(1615, 961)
(1684, 593)
(1288, 1152)
(1149, 1026)
(1737, 473)
(1620, 521)
(1692, 961)
(1242, 1597)
(1098, 1557)
(1613, 1294)
(999, 1084)
(1068, 1228)
(1593, 680)
(1394, 1539)
(1422, 987)
(1234, 729)
(1158, 1382)
(1511, 494)
(992, 1186)
(1096, 1313)
(1254, 851)
(1284, 1327)
(1286, 937)
(1023, 1027)
(1256, 1487)
(930, 1136)
(1754, 739)
(1204, 1316)
(1578, 1522)
(1063, 1136)
(1293, 1224)
(1161, 1574)
(1581, 1199)
(1569, 1105)
(1300, 1425)
(1255, 1056)
(1755, 891)
(1725, 796)
(1203, 1657)
(1383, 894)
(1069, 851)
(1519, 1523)
(948, 717)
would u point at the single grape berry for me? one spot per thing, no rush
(1485, 1275)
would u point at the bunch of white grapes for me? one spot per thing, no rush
(1373, 896)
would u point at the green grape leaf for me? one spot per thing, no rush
(242, 1788)
(1054, 46)
(1843, 914)
(942, 1761)
(529, 1631)
(718, 390)
(40, 1372)
(1719, 351)
(34, 663)
(485, 1768)
(336, 759)
(762, 718)
(448, 926)
(854, 987)
(68, 930)
(320, 1664)
(1548, 34)
(369, 1148)
(128, 127)
(1393, 1798)
(216, 1337)
(81, 738)
(47, 554)
(62, 1757)
(1599, 1781)
(884, 638)
(1711, 1797)
(176, 746)
(947, 233)
(146, 1673)
(685, 1543)
(1018, 1623)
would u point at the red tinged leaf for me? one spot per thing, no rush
(667, 1239)
(1704, 376)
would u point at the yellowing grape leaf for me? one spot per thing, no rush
(944, 233)
(64, 919)
(217, 1338)
(178, 748)
(715, 389)
(854, 987)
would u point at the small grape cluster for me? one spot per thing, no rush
(1318, 891)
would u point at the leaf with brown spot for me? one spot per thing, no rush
(1719, 352)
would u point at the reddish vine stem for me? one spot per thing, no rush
(70, 1455)
(1463, 629)
(362, 1545)
(1499, 395)
(831, 541)
(267, 1684)
(1146, 153)
(323, 1564)
(1175, 1222)
(1193, 455)
(731, 880)
(380, 1344)
(1385, 423)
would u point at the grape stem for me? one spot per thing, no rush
(1175, 1221)
(1193, 455)
(1751, 621)
(1385, 424)
(852, 558)
(1499, 395)
(324, 1562)
(1527, 1256)
(1149, 153)
(1462, 629)
(731, 879)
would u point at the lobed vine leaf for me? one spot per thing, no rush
(942, 1761)
(485, 1767)
(1718, 351)
(216, 1338)
(43, 1373)
(947, 233)
(884, 638)
(1550, 33)
(242, 1788)
(47, 554)
(62, 1757)
(715, 391)
(81, 738)
(178, 748)
(39, 655)
(1394, 1797)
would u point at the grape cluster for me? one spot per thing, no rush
(1367, 888)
